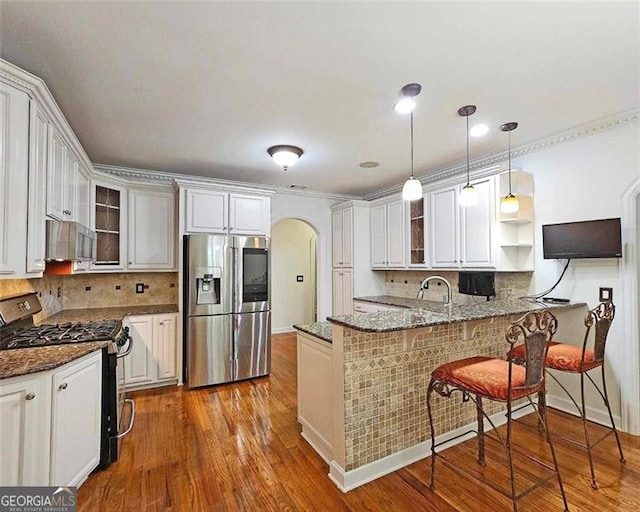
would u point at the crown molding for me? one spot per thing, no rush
(37, 90)
(185, 180)
(494, 162)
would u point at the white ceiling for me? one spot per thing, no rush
(205, 88)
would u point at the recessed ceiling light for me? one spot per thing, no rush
(479, 130)
(369, 165)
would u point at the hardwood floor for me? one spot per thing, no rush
(237, 447)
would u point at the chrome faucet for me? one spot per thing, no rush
(425, 285)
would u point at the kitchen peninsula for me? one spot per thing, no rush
(362, 384)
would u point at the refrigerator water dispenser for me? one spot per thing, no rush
(208, 285)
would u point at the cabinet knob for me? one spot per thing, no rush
(30, 396)
(63, 386)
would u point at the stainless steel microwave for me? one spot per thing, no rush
(69, 241)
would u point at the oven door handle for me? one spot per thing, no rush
(129, 345)
(132, 405)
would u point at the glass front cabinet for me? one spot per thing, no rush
(417, 233)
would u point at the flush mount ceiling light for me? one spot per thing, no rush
(285, 155)
(509, 203)
(468, 195)
(407, 103)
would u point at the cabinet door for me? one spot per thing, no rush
(347, 292)
(164, 346)
(476, 228)
(337, 292)
(83, 197)
(110, 214)
(75, 420)
(38, 147)
(139, 367)
(347, 237)
(69, 181)
(151, 230)
(444, 228)
(56, 175)
(14, 140)
(25, 411)
(249, 215)
(206, 211)
(396, 228)
(337, 238)
(379, 236)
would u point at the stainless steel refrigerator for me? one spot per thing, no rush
(227, 324)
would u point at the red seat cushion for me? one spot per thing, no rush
(562, 356)
(484, 376)
(568, 358)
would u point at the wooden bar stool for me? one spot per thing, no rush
(503, 381)
(568, 358)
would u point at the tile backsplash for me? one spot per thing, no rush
(96, 290)
(405, 283)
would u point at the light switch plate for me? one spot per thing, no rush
(606, 294)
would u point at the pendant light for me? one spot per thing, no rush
(412, 189)
(509, 203)
(285, 155)
(468, 194)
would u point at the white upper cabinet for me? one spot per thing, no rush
(14, 155)
(214, 211)
(61, 178)
(38, 154)
(151, 230)
(249, 215)
(207, 211)
(461, 237)
(83, 196)
(388, 228)
(342, 239)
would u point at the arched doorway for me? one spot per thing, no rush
(293, 274)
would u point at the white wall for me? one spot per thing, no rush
(291, 301)
(316, 212)
(581, 180)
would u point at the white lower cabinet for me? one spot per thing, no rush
(75, 421)
(343, 291)
(50, 424)
(153, 358)
(371, 307)
(25, 412)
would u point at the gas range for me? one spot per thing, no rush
(58, 334)
(17, 329)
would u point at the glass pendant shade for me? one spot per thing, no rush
(412, 189)
(509, 204)
(468, 196)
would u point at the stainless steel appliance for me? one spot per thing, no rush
(69, 241)
(17, 331)
(227, 324)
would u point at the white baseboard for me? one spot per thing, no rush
(349, 480)
(282, 330)
(600, 416)
(321, 445)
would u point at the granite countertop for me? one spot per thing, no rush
(15, 362)
(117, 313)
(22, 361)
(435, 313)
(320, 330)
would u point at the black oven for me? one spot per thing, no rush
(116, 421)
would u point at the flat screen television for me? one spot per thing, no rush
(587, 239)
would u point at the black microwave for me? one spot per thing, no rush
(477, 283)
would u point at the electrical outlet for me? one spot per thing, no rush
(139, 287)
(606, 294)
